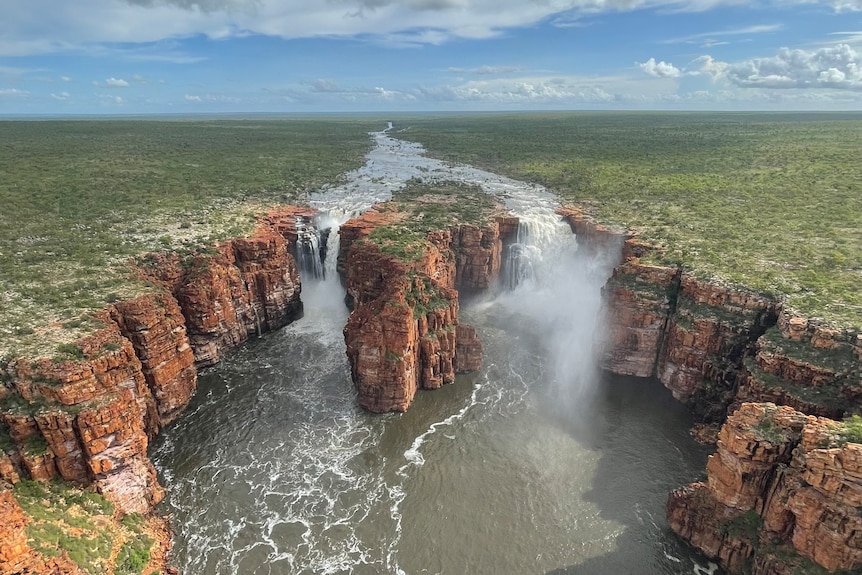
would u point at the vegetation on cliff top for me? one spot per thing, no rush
(427, 207)
(768, 201)
(82, 197)
(65, 519)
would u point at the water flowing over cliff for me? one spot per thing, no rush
(488, 475)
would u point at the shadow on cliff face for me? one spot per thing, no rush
(624, 422)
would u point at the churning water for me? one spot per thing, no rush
(536, 464)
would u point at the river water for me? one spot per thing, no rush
(536, 464)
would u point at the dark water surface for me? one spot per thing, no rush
(273, 469)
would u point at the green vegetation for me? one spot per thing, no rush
(830, 396)
(420, 208)
(847, 431)
(746, 526)
(66, 519)
(36, 445)
(840, 360)
(768, 201)
(801, 565)
(769, 431)
(741, 318)
(80, 198)
(7, 445)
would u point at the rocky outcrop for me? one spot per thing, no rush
(155, 325)
(478, 253)
(709, 333)
(804, 364)
(86, 415)
(86, 420)
(783, 491)
(593, 237)
(404, 333)
(639, 300)
(247, 287)
(715, 345)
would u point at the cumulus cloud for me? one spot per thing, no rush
(836, 67)
(708, 66)
(191, 98)
(61, 96)
(660, 69)
(112, 83)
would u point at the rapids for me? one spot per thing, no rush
(536, 464)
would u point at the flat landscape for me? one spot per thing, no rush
(81, 198)
(764, 200)
(768, 201)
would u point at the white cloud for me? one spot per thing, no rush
(191, 98)
(86, 25)
(847, 5)
(709, 37)
(660, 69)
(13, 92)
(116, 83)
(61, 96)
(836, 67)
(707, 66)
(66, 78)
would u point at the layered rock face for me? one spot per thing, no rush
(86, 420)
(404, 333)
(783, 488)
(249, 286)
(87, 415)
(806, 365)
(716, 346)
(639, 299)
(782, 494)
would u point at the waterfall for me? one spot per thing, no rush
(309, 483)
(310, 250)
(555, 288)
(257, 321)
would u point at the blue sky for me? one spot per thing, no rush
(301, 56)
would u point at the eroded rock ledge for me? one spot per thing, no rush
(782, 495)
(87, 414)
(404, 333)
(715, 345)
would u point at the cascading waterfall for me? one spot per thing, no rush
(310, 250)
(273, 469)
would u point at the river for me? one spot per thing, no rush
(536, 464)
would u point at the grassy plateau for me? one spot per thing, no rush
(80, 198)
(768, 201)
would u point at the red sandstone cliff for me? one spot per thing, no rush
(404, 333)
(86, 415)
(783, 491)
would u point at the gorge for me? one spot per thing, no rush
(547, 464)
